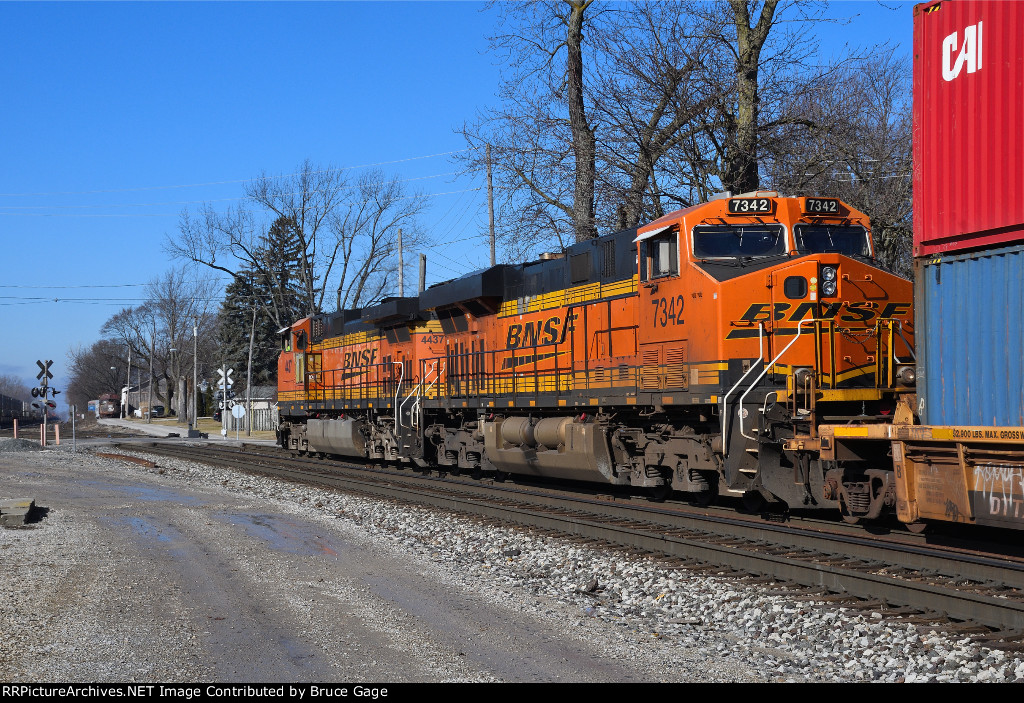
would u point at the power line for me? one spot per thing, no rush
(196, 202)
(176, 214)
(110, 285)
(239, 180)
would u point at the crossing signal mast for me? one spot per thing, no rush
(43, 391)
(224, 384)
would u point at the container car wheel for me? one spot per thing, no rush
(916, 527)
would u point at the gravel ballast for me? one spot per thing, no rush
(186, 572)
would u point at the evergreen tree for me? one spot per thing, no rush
(243, 298)
(274, 293)
(280, 257)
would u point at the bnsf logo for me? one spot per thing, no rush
(549, 331)
(854, 312)
(362, 357)
(970, 53)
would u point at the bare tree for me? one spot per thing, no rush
(649, 94)
(14, 387)
(366, 230)
(543, 139)
(681, 99)
(175, 302)
(324, 213)
(741, 172)
(858, 147)
(583, 142)
(94, 371)
(232, 241)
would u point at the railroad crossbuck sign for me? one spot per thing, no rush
(44, 370)
(225, 381)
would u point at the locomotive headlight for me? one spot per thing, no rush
(828, 280)
(802, 379)
(906, 375)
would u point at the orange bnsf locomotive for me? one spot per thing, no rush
(699, 353)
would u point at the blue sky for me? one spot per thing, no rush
(114, 117)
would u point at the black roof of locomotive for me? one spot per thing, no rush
(485, 283)
(393, 311)
(605, 259)
(335, 324)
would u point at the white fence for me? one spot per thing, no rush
(262, 419)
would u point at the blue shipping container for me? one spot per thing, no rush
(970, 341)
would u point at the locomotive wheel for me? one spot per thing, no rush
(703, 499)
(845, 514)
(916, 527)
(709, 495)
(658, 494)
(753, 501)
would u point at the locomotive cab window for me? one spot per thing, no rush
(821, 239)
(744, 241)
(660, 256)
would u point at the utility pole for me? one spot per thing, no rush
(423, 272)
(248, 378)
(224, 410)
(152, 352)
(401, 267)
(490, 202)
(195, 373)
(128, 391)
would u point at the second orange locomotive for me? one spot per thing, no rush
(695, 353)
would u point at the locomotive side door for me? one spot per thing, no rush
(662, 348)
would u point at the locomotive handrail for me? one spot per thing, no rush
(415, 391)
(910, 349)
(398, 389)
(725, 398)
(765, 370)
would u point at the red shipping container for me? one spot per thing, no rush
(968, 125)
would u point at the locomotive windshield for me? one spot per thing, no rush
(820, 239)
(722, 241)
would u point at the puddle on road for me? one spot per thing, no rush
(145, 528)
(147, 492)
(282, 534)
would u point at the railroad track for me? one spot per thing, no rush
(959, 589)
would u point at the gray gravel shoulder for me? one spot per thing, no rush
(360, 584)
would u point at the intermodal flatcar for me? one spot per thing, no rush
(958, 448)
